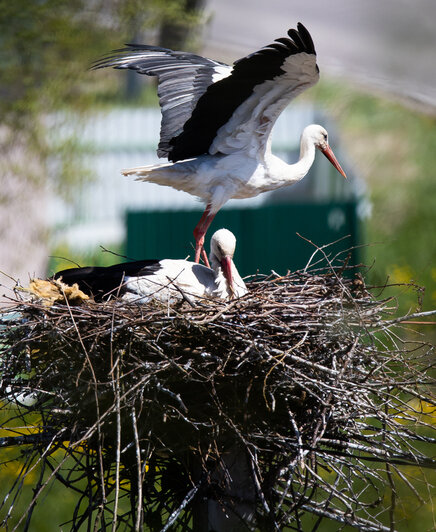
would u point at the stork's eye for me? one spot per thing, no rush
(325, 136)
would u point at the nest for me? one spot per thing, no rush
(303, 401)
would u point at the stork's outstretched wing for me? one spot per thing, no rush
(182, 77)
(269, 80)
(199, 96)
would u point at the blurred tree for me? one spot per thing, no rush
(175, 29)
(175, 20)
(46, 47)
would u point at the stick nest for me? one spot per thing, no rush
(307, 380)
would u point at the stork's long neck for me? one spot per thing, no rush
(307, 155)
(214, 263)
(282, 173)
(222, 289)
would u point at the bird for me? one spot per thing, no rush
(217, 120)
(166, 280)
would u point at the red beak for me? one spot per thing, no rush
(327, 151)
(226, 264)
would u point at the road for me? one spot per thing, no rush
(380, 44)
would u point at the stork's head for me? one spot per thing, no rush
(319, 137)
(222, 249)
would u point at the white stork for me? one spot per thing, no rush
(165, 280)
(217, 120)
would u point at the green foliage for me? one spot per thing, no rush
(395, 151)
(63, 257)
(46, 49)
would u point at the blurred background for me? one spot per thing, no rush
(67, 131)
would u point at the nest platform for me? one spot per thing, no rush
(306, 400)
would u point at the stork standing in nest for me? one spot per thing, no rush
(217, 120)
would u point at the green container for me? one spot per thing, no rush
(267, 236)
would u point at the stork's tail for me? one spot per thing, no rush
(177, 175)
(144, 173)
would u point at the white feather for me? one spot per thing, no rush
(177, 277)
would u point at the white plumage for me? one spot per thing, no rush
(167, 279)
(217, 120)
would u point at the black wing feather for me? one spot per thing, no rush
(101, 282)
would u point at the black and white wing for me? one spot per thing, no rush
(182, 77)
(259, 88)
(199, 96)
(160, 279)
(238, 111)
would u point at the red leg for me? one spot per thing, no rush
(204, 257)
(200, 232)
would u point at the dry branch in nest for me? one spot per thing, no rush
(301, 402)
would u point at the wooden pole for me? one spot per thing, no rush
(234, 508)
